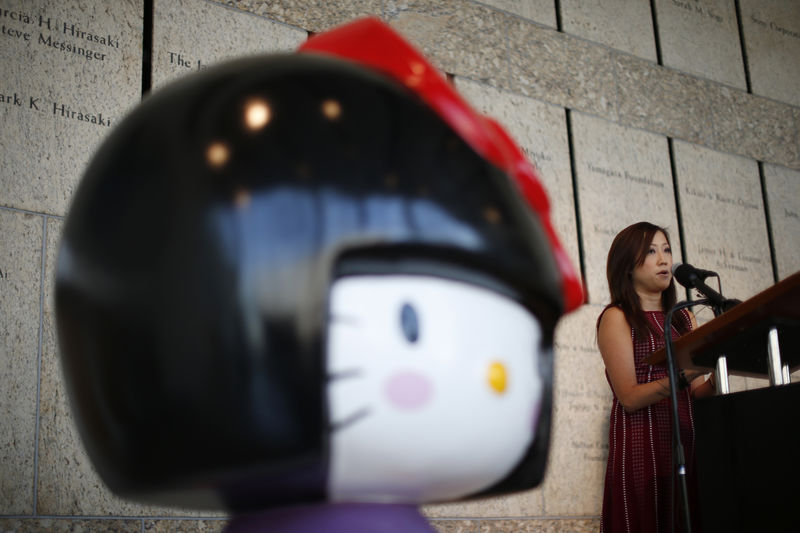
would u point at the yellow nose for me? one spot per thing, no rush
(498, 377)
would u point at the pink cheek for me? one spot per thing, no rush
(408, 390)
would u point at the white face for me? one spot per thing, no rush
(434, 388)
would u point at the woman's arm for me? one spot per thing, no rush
(616, 347)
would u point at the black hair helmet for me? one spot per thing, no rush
(195, 263)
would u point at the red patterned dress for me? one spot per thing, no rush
(638, 487)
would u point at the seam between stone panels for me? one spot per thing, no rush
(576, 201)
(742, 45)
(147, 46)
(29, 212)
(42, 274)
(796, 159)
(673, 168)
(656, 36)
(762, 181)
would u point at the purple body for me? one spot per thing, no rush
(334, 518)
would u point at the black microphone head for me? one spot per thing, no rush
(684, 274)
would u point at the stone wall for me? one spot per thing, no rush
(682, 112)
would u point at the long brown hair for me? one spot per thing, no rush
(628, 251)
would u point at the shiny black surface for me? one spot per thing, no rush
(193, 274)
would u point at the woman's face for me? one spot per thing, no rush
(655, 273)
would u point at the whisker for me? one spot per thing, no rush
(350, 420)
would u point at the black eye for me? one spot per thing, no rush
(409, 323)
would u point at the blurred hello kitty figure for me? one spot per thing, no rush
(339, 306)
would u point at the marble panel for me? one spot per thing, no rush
(723, 215)
(541, 131)
(702, 38)
(794, 162)
(620, 24)
(185, 526)
(754, 126)
(20, 289)
(783, 199)
(663, 100)
(541, 11)
(537, 525)
(68, 484)
(458, 37)
(191, 35)
(772, 44)
(520, 504)
(71, 70)
(455, 526)
(623, 176)
(311, 15)
(68, 525)
(582, 399)
(560, 69)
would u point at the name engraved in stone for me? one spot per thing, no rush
(15, 34)
(3, 274)
(739, 202)
(65, 111)
(575, 348)
(644, 180)
(75, 40)
(613, 173)
(180, 60)
(75, 31)
(537, 157)
(697, 9)
(725, 259)
(66, 46)
(786, 32)
(706, 251)
(16, 16)
(11, 99)
(60, 110)
(604, 231)
(698, 193)
(719, 198)
(592, 451)
(748, 258)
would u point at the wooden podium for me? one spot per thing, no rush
(747, 443)
(759, 337)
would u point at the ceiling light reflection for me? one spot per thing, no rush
(257, 114)
(217, 154)
(332, 109)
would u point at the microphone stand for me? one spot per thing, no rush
(679, 457)
(719, 304)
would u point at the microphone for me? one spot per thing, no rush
(693, 278)
(687, 275)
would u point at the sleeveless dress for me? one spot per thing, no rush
(639, 491)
